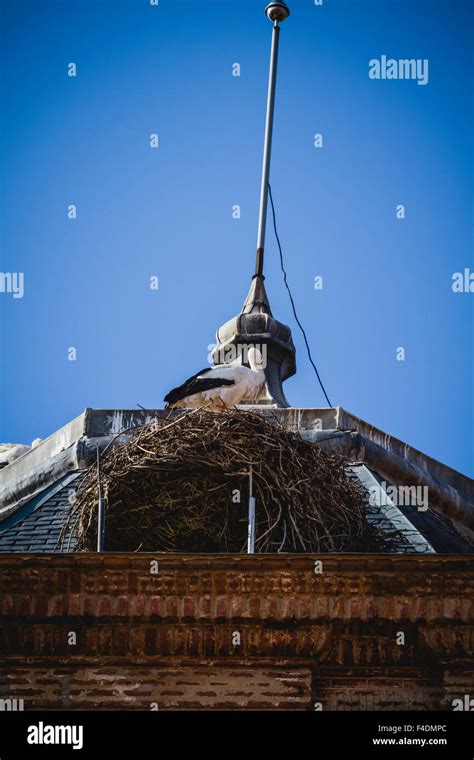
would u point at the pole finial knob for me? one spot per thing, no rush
(277, 11)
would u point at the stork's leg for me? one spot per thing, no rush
(224, 406)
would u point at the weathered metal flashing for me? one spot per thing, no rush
(41, 466)
(34, 479)
(396, 469)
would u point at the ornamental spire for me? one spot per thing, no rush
(255, 325)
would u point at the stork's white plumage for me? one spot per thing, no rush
(220, 387)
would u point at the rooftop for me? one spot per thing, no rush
(435, 511)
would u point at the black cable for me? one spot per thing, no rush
(291, 299)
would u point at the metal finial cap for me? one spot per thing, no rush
(277, 11)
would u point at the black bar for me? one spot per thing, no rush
(134, 733)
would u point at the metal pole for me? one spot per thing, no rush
(251, 529)
(100, 511)
(276, 12)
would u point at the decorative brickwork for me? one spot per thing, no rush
(108, 631)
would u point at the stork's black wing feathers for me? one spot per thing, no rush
(196, 384)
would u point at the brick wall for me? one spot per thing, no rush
(107, 631)
(151, 687)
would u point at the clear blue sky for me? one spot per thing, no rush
(168, 211)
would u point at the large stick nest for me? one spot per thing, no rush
(182, 485)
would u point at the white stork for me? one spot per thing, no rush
(220, 387)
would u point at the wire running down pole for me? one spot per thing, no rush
(251, 527)
(276, 12)
(100, 510)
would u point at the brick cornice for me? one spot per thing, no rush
(264, 562)
(348, 614)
